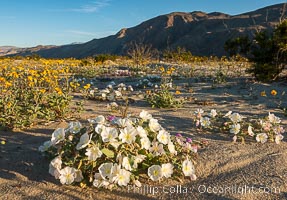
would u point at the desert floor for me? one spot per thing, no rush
(225, 170)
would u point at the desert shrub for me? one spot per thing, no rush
(162, 96)
(118, 152)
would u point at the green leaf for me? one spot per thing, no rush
(108, 153)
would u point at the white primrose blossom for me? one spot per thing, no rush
(99, 181)
(167, 170)
(141, 132)
(235, 118)
(273, 119)
(98, 120)
(163, 137)
(55, 166)
(145, 115)
(122, 177)
(171, 148)
(205, 122)
(105, 170)
(213, 113)
(138, 159)
(85, 140)
(235, 128)
(155, 172)
(250, 131)
(154, 125)
(278, 138)
(58, 135)
(145, 143)
(45, 146)
(78, 175)
(74, 127)
(93, 153)
(261, 137)
(126, 164)
(67, 175)
(188, 168)
(109, 134)
(128, 135)
(157, 149)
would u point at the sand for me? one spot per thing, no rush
(225, 170)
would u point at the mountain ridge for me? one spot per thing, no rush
(201, 33)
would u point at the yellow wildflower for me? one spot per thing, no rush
(273, 92)
(177, 92)
(87, 86)
(263, 93)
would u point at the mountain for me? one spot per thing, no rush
(199, 32)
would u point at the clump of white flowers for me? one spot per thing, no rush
(110, 93)
(113, 151)
(240, 127)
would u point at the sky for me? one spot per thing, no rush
(27, 23)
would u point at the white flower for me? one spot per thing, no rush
(278, 138)
(273, 119)
(167, 170)
(84, 141)
(261, 137)
(109, 134)
(98, 120)
(55, 167)
(145, 143)
(212, 113)
(123, 122)
(45, 146)
(138, 159)
(171, 148)
(130, 88)
(128, 135)
(74, 127)
(157, 149)
(188, 168)
(122, 178)
(235, 128)
(58, 135)
(205, 122)
(118, 93)
(163, 137)
(141, 132)
(99, 181)
(93, 153)
(154, 125)
(145, 115)
(126, 164)
(105, 169)
(78, 176)
(67, 175)
(250, 132)
(99, 128)
(199, 112)
(235, 118)
(227, 114)
(278, 130)
(155, 172)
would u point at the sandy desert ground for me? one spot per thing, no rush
(225, 170)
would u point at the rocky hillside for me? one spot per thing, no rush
(199, 32)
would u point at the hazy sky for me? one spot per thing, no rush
(26, 23)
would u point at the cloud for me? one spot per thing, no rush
(83, 33)
(92, 7)
(99, 34)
